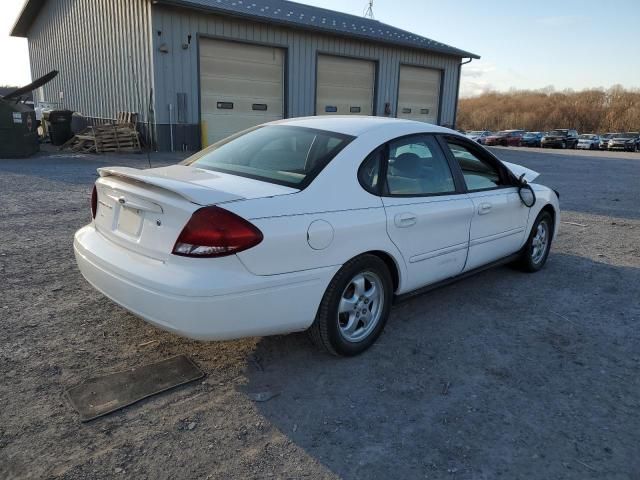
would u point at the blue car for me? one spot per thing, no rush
(531, 139)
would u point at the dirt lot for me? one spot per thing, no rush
(501, 375)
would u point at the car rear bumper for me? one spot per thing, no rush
(238, 304)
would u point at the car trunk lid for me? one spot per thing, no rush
(145, 210)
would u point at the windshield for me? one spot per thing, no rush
(558, 133)
(476, 133)
(587, 137)
(285, 155)
(530, 134)
(626, 135)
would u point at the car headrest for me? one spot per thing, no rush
(407, 165)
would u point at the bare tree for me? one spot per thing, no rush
(593, 110)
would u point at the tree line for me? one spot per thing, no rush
(613, 110)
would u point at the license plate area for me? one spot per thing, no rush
(129, 221)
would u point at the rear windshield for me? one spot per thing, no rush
(286, 155)
(559, 133)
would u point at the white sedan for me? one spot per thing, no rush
(312, 224)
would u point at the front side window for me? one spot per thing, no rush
(285, 155)
(478, 173)
(416, 166)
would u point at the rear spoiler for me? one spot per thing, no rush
(190, 191)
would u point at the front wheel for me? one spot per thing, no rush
(354, 308)
(564, 145)
(535, 252)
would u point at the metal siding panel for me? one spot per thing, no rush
(95, 79)
(301, 75)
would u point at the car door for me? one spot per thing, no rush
(499, 217)
(428, 214)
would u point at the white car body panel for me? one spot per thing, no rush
(433, 235)
(498, 226)
(519, 170)
(276, 286)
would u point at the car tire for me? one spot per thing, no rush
(534, 254)
(355, 307)
(564, 145)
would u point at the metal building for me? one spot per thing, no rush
(198, 70)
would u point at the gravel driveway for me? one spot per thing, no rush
(501, 375)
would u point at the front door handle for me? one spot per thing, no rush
(484, 208)
(403, 220)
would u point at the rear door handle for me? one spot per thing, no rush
(484, 208)
(403, 220)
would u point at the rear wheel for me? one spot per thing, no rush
(564, 144)
(536, 250)
(355, 307)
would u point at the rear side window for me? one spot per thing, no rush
(286, 155)
(417, 167)
(478, 173)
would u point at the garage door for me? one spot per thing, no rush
(344, 86)
(419, 94)
(240, 86)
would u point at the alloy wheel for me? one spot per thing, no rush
(540, 242)
(361, 306)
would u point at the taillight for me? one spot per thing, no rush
(215, 232)
(94, 201)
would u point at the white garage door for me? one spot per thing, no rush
(240, 86)
(344, 86)
(419, 93)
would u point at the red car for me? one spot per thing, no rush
(505, 138)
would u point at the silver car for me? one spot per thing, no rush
(589, 141)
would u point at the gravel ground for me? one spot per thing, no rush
(501, 375)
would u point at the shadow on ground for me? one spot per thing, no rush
(471, 380)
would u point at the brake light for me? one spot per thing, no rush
(215, 232)
(94, 201)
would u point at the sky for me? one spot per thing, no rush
(532, 44)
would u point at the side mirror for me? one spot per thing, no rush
(526, 193)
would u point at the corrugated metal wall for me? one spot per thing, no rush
(102, 51)
(177, 70)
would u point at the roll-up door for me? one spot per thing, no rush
(345, 86)
(419, 93)
(241, 86)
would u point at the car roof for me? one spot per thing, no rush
(356, 125)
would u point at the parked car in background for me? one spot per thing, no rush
(478, 135)
(255, 234)
(531, 139)
(560, 138)
(628, 142)
(589, 141)
(604, 140)
(510, 138)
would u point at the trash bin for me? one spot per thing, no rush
(18, 135)
(60, 126)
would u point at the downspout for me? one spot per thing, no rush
(455, 112)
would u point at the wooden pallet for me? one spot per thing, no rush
(106, 139)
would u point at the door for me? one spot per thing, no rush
(428, 218)
(499, 216)
(419, 94)
(241, 86)
(344, 86)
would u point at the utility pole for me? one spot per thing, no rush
(369, 11)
